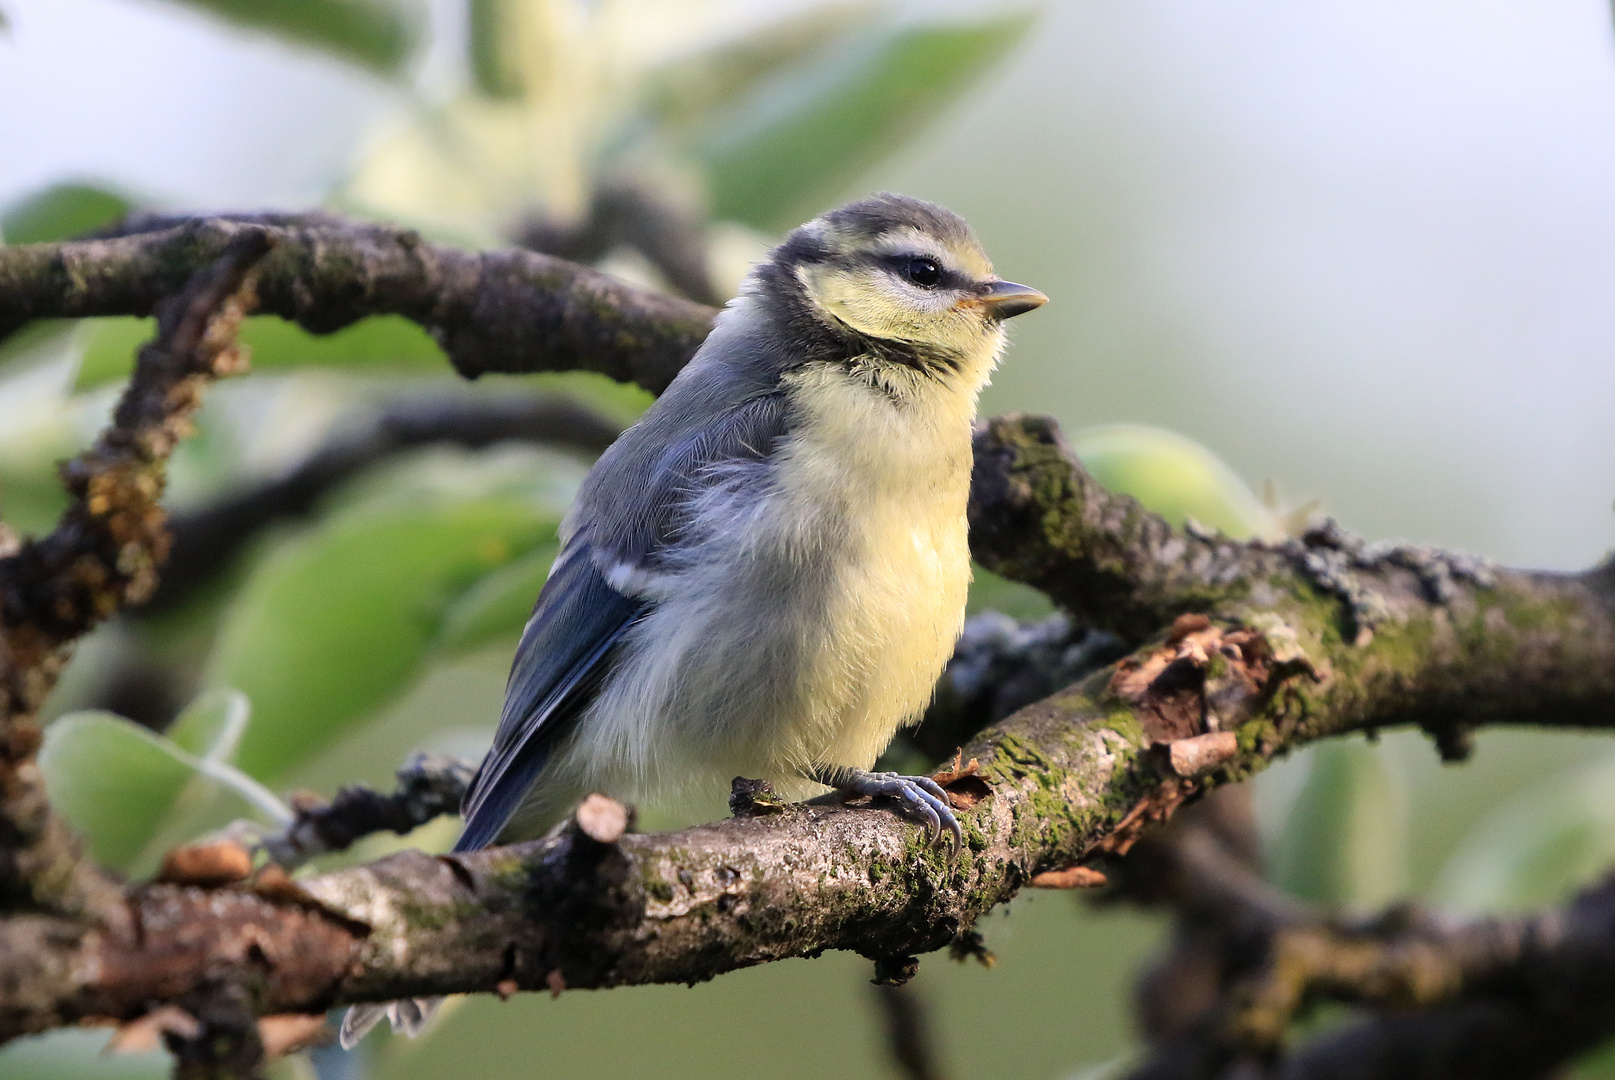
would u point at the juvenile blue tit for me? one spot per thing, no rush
(765, 575)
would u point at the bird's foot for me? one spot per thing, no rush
(917, 795)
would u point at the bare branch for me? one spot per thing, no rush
(205, 540)
(429, 786)
(1495, 998)
(103, 554)
(496, 311)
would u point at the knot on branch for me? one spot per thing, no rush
(1203, 679)
(598, 886)
(753, 798)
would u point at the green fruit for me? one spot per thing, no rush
(1173, 476)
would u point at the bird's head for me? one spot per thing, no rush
(903, 276)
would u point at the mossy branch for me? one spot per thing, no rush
(1069, 781)
(1242, 653)
(1438, 998)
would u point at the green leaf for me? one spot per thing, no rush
(389, 343)
(337, 622)
(802, 141)
(121, 784)
(496, 68)
(1344, 840)
(376, 34)
(686, 93)
(113, 780)
(989, 592)
(499, 605)
(59, 212)
(79, 1054)
(211, 726)
(1537, 848)
(1173, 476)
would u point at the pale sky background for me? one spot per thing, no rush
(1364, 249)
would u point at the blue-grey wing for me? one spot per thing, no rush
(560, 662)
(636, 502)
(629, 513)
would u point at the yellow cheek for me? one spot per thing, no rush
(862, 303)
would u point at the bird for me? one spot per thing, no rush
(766, 574)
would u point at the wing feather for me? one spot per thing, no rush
(630, 511)
(561, 660)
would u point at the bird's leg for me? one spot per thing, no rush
(918, 795)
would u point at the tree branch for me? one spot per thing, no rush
(1243, 652)
(496, 311)
(429, 786)
(103, 554)
(205, 540)
(1066, 781)
(1485, 1000)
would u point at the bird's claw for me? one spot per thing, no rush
(918, 795)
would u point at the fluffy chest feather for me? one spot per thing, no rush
(899, 474)
(814, 606)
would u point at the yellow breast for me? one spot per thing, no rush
(903, 569)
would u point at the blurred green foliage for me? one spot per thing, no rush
(353, 608)
(1344, 839)
(1174, 476)
(60, 211)
(763, 125)
(496, 62)
(133, 792)
(784, 153)
(1546, 841)
(386, 620)
(77, 1054)
(380, 35)
(384, 343)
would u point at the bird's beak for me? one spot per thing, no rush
(1005, 299)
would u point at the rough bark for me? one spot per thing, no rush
(104, 554)
(494, 311)
(1063, 782)
(1241, 652)
(1447, 999)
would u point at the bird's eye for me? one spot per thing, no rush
(922, 272)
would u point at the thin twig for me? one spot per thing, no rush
(207, 539)
(429, 786)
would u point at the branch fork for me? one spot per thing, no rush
(1235, 654)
